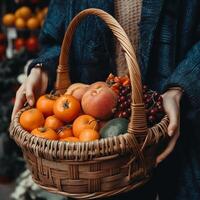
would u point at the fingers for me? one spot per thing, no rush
(19, 101)
(173, 115)
(29, 93)
(34, 86)
(172, 109)
(169, 148)
(44, 83)
(25, 92)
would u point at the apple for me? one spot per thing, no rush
(19, 43)
(77, 90)
(98, 84)
(32, 44)
(99, 102)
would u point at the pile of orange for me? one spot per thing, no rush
(24, 18)
(60, 118)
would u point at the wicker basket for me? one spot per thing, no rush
(105, 167)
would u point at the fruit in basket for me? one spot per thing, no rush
(65, 131)
(45, 104)
(8, 19)
(53, 123)
(66, 108)
(31, 119)
(32, 44)
(45, 132)
(153, 105)
(122, 87)
(87, 135)
(99, 102)
(98, 85)
(124, 102)
(114, 127)
(77, 90)
(19, 43)
(33, 23)
(70, 139)
(84, 122)
(102, 123)
(152, 100)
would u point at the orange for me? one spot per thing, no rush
(20, 23)
(9, 19)
(87, 135)
(70, 139)
(33, 23)
(31, 119)
(40, 15)
(83, 122)
(45, 104)
(66, 108)
(46, 133)
(25, 12)
(17, 13)
(53, 123)
(45, 11)
(65, 132)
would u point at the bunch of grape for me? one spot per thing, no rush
(122, 87)
(153, 106)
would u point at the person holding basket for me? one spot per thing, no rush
(165, 36)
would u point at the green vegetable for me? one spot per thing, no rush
(114, 127)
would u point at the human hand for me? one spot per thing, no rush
(34, 86)
(171, 104)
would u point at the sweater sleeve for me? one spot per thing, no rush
(187, 76)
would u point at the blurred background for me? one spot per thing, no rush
(20, 24)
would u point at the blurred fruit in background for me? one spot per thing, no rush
(20, 23)
(24, 12)
(9, 20)
(19, 43)
(32, 44)
(33, 23)
(24, 17)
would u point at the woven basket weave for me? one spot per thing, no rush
(105, 167)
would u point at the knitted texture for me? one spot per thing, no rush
(128, 14)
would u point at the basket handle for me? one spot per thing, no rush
(138, 118)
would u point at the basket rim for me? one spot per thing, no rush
(83, 151)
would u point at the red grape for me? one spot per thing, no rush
(152, 100)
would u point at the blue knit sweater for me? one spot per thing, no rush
(169, 56)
